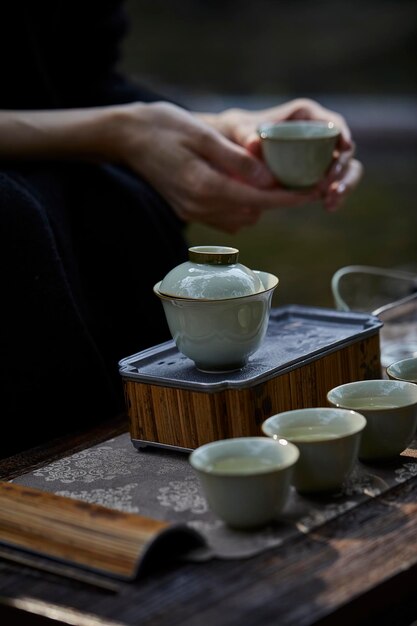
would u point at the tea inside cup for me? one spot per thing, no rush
(246, 480)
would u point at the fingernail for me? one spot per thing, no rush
(337, 169)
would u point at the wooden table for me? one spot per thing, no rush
(358, 569)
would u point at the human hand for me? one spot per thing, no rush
(204, 176)
(241, 125)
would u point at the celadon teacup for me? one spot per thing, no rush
(298, 152)
(328, 440)
(405, 369)
(246, 480)
(390, 409)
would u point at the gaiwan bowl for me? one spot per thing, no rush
(220, 335)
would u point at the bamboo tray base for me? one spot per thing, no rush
(184, 409)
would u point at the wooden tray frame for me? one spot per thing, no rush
(185, 419)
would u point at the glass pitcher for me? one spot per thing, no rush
(387, 293)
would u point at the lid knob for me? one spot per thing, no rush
(213, 255)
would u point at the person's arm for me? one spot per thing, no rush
(63, 134)
(204, 175)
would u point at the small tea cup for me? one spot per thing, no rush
(298, 152)
(246, 480)
(328, 440)
(405, 369)
(390, 409)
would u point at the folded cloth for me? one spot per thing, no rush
(161, 484)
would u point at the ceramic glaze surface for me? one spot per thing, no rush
(220, 335)
(250, 485)
(390, 409)
(211, 273)
(406, 370)
(328, 440)
(298, 152)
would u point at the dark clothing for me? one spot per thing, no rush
(63, 53)
(81, 245)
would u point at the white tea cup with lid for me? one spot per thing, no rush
(217, 309)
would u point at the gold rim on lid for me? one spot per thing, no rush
(213, 255)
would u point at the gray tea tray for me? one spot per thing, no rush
(296, 335)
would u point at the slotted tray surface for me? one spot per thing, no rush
(296, 335)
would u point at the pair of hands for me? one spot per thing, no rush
(209, 166)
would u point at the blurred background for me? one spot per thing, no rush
(356, 57)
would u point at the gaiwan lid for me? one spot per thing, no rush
(211, 273)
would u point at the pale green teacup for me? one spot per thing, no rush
(298, 152)
(328, 440)
(406, 369)
(390, 408)
(246, 480)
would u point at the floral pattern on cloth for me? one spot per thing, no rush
(161, 484)
(183, 495)
(119, 498)
(408, 470)
(88, 466)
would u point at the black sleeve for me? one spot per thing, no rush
(64, 53)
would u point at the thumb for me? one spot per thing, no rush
(241, 163)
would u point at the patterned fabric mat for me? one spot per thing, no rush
(161, 484)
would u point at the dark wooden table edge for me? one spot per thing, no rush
(400, 611)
